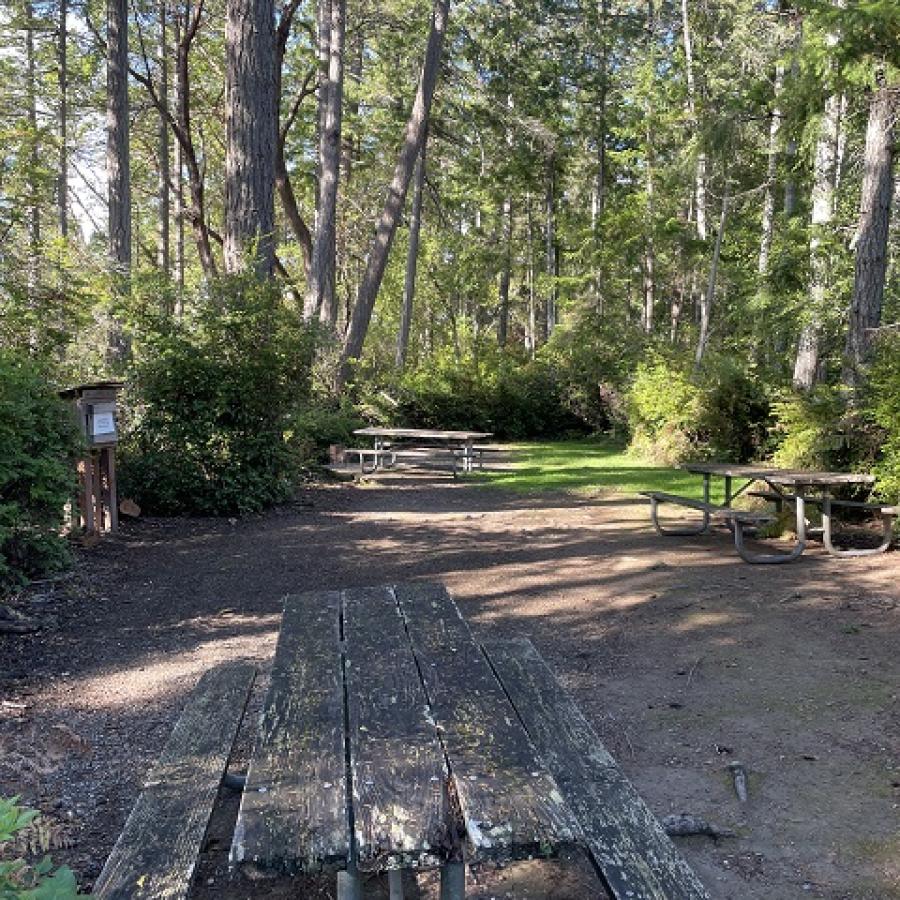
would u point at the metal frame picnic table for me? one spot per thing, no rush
(794, 486)
(460, 442)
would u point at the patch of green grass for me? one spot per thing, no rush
(591, 464)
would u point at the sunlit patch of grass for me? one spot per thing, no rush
(587, 465)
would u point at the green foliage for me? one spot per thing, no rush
(496, 395)
(18, 879)
(885, 410)
(209, 405)
(314, 426)
(675, 413)
(38, 445)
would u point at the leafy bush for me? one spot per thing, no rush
(38, 446)
(209, 403)
(884, 406)
(496, 395)
(676, 413)
(18, 879)
(313, 427)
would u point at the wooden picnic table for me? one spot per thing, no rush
(794, 486)
(460, 443)
(391, 740)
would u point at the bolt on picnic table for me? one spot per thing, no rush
(796, 486)
(391, 740)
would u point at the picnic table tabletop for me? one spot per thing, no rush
(434, 434)
(775, 475)
(386, 742)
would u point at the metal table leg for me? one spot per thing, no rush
(453, 881)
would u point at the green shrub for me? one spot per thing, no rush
(511, 399)
(18, 879)
(313, 427)
(38, 447)
(676, 413)
(884, 407)
(209, 405)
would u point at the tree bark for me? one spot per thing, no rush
(807, 360)
(321, 286)
(412, 260)
(163, 255)
(768, 213)
(387, 224)
(62, 189)
(34, 192)
(700, 171)
(872, 235)
(550, 259)
(117, 142)
(251, 136)
(178, 167)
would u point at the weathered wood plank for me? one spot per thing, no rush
(399, 773)
(157, 852)
(293, 815)
(634, 855)
(511, 805)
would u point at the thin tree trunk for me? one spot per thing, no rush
(387, 224)
(598, 196)
(117, 145)
(163, 256)
(531, 337)
(649, 265)
(700, 171)
(62, 189)
(807, 360)
(768, 213)
(709, 297)
(872, 235)
(251, 136)
(412, 260)
(550, 248)
(178, 167)
(505, 275)
(321, 288)
(34, 193)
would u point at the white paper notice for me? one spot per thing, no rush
(104, 423)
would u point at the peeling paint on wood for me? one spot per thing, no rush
(293, 815)
(156, 854)
(633, 853)
(512, 806)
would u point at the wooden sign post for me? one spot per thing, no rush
(94, 406)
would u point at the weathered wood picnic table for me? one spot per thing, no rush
(393, 443)
(797, 487)
(389, 740)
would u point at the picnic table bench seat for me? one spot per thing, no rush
(156, 853)
(634, 856)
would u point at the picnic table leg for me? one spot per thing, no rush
(395, 884)
(774, 558)
(453, 881)
(728, 494)
(349, 886)
(702, 528)
(887, 523)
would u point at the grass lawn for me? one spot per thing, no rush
(591, 464)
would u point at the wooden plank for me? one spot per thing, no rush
(157, 852)
(400, 800)
(293, 815)
(634, 855)
(511, 805)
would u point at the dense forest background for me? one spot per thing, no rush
(274, 221)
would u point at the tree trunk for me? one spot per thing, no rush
(387, 224)
(251, 135)
(321, 286)
(62, 189)
(412, 260)
(709, 297)
(34, 192)
(505, 275)
(531, 338)
(163, 255)
(700, 171)
(872, 235)
(768, 213)
(807, 360)
(117, 143)
(550, 248)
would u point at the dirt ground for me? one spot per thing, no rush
(684, 659)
